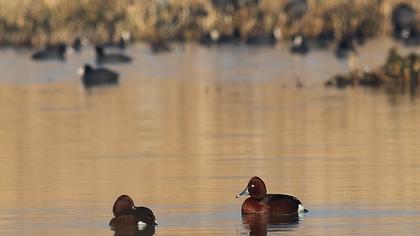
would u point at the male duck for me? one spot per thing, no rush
(260, 202)
(126, 214)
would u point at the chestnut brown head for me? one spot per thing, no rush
(122, 203)
(255, 188)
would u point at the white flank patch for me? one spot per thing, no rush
(141, 225)
(301, 208)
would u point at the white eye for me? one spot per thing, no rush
(252, 185)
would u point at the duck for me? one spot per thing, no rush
(260, 202)
(99, 76)
(403, 20)
(345, 47)
(50, 52)
(102, 57)
(299, 45)
(126, 213)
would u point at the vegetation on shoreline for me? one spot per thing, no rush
(397, 72)
(36, 22)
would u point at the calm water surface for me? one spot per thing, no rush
(183, 132)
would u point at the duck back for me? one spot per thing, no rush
(133, 216)
(282, 203)
(100, 76)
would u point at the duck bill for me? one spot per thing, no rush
(243, 193)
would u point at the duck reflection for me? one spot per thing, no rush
(261, 224)
(133, 230)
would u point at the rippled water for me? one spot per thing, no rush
(183, 132)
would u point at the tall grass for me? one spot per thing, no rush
(35, 22)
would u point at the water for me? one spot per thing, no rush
(183, 132)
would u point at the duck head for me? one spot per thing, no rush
(122, 203)
(255, 188)
(85, 69)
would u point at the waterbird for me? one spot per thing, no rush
(260, 202)
(403, 20)
(102, 57)
(99, 76)
(299, 45)
(50, 52)
(345, 46)
(125, 213)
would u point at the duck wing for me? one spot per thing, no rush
(145, 215)
(105, 73)
(282, 203)
(134, 216)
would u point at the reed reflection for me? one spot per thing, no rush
(261, 224)
(133, 230)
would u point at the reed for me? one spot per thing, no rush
(35, 22)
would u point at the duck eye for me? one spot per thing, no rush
(252, 185)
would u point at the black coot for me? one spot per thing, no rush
(345, 46)
(102, 57)
(50, 52)
(99, 76)
(299, 45)
(403, 19)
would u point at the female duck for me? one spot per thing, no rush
(260, 202)
(126, 214)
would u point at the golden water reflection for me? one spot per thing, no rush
(189, 145)
(185, 146)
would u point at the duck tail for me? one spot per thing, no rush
(302, 209)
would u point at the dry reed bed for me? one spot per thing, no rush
(35, 22)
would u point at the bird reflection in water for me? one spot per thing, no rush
(134, 230)
(261, 224)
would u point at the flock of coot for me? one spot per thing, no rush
(406, 28)
(90, 76)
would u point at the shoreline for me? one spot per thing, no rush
(32, 23)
